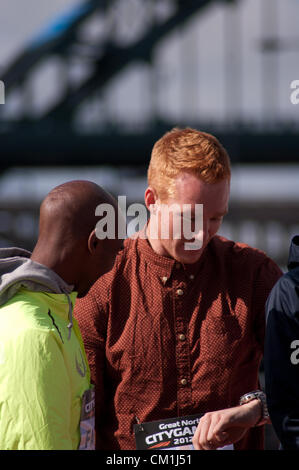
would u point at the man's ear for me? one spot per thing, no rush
(150, 198)
(93, 242)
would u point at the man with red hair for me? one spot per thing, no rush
(176, 331)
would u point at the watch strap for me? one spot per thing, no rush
(257, 395)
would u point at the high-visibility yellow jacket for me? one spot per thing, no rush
(43, 371)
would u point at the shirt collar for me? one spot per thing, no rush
(164, 265)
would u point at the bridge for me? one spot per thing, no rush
(90, 49)
(89, 52)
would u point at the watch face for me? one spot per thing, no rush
(257, 395)
(249, 397)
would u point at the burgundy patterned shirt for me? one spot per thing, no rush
(165, 339)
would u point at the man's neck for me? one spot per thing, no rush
(155, 243)
(41, 255)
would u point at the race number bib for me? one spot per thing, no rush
(87, 421)
(173, 433)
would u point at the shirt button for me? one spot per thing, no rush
(180, 292)
(164, 279)
(191, 277)
(182, 337)
(184, 382)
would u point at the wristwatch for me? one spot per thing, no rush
(257, 395)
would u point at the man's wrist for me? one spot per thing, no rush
(259, 406)
(253, 411)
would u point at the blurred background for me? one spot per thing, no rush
(90, 85)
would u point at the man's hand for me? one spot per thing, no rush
(219, 428)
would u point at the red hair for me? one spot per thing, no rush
(186, 150)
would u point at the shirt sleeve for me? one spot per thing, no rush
(281, 360)
(35, 393)
(91, 313)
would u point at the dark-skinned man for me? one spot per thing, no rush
(46, 399)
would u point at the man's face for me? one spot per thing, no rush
(111, 248)
(191, 190)
(102, 258)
